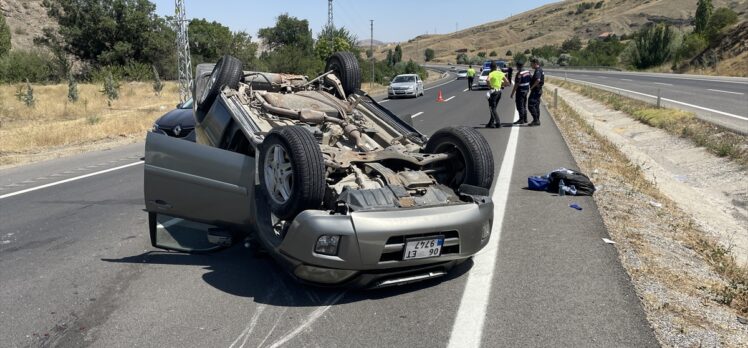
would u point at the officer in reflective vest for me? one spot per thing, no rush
(496, 81)
(521, 88)
(536, 90)
(470, 77)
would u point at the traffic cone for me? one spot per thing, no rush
(439, 97)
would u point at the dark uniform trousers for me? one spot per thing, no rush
(493, 102)
(533, 104)
(521, 102)
(470, 82)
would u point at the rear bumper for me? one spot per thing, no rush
(372, 243)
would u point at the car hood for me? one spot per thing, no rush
(483, 78)
(403, 84)
(182, 117)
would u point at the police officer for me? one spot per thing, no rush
(470, 76)
(496, 81)
(521, 88)
(536, 90)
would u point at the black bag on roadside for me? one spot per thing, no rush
(579, 181)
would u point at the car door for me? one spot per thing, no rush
(198, 183)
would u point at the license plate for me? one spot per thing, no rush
(420, 248)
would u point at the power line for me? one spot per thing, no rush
(330, 23)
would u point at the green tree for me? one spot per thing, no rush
(209, 41)
(571, 45)
(288, 31)
(428, 54)
(527, 51)
(4, 36)
(482, 54)
(508, 53)
(342, 40)
(397, 57)
(692, 45)
(704, 10)
(493, 54)
(462, 58)
(652, 46)
(389, 58)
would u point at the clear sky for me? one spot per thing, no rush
(394, 20)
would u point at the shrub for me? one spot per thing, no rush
(27, 95)
(158, 86)
(652, 46)
(721, 18)
(111, 89)
(4, 36)
(493, 54)
(482, 54)
(19, 66)
(508, 53)
(462, 58)
(428, 54)
(72, 88)
(693, 44)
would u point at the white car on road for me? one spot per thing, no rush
(403, 85)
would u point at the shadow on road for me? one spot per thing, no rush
(236, 271)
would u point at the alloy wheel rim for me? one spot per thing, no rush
(278, 174)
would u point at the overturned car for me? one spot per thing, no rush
(336, 188)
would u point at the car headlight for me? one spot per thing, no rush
(154, 128)
(327, 245)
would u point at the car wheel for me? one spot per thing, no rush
(472, 163)
(292, 171)
(227, 72)
(345, 67)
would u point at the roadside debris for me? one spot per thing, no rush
(608, 241)
(564, 181)
(575, 206)
(655, 204)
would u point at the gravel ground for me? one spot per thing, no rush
(661, 245)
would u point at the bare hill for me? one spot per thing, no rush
(556, 22)
(26, 19)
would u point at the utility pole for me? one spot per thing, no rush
(371, 49)
(184, 61)
(330, 24)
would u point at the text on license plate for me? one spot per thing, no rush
(419, 248)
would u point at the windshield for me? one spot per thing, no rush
(462, 72)
(404, 79)
(485, 72)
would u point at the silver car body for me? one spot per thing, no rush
(213, 182)
(482, 81)
(405, 85)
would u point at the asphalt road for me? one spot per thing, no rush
(76, 267)
(720, 100)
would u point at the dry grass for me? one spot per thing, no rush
(659, 247)
(55, 122)
(718, 140)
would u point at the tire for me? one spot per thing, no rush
(303, 181)
(226, 72)
(473, 164)
(345, 66)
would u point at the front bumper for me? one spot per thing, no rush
(372, 243)
(392, 94)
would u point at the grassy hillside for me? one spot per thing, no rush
(26, 19)
(556, 22)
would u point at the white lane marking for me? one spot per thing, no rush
(311, 318)
(448, 99)
(625, 80)
(602, 77)
(417, 114)
(664, 84)
(69, 180)
(384, 101)
(721, 91)
(467, 330)
(665, 99)
(466, 89)
(439, 85)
